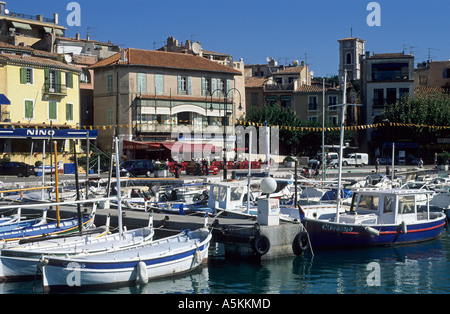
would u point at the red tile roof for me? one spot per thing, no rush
(37, 61)
(162, 59)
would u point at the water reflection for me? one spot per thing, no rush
(420, 268)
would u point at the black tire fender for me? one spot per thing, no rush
(300, 243)
(261, 245)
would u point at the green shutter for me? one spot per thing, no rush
(110, 83)
(69, 78)
(189, 87)
(29, 110)
(159, 84)
(58, 81)
(179, 85)
(52, 107)
(203, 86)
(23, 76)
(69, 112)
(47, 79)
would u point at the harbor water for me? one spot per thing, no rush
(411, 269)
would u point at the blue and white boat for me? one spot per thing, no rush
(169, 256)
(18, 223)
(375, 218)
(21, 262)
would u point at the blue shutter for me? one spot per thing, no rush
(203, 86)
(189, 87)
(179, 85)
(159, 84)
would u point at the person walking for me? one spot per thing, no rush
(377, 165)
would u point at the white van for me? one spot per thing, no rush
(355, 159)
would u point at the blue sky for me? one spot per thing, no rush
(285, 30)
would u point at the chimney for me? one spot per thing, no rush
(77, 36)
(88, 37)
(56, 18)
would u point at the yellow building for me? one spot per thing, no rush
(43, 91)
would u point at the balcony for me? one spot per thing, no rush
(55, 89)
(280, 86)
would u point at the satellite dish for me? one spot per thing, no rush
(268, 59)
(68, 59)
(196, 48)
(6, 11)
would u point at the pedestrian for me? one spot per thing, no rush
(377, 165)
(420, 163)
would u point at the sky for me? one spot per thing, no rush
(285, 30)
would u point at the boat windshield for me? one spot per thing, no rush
(368, 202)
(406, 204)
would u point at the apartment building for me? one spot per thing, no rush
(147, 96)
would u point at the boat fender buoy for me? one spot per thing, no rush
(261, 245)
(197, 257)
(404, 227)
(301, 243)
(142, 273)
(42, 263)
(372, 231)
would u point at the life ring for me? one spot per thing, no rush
(261, 245)
(301, 243)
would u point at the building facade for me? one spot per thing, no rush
(433, 73)
(150, 96)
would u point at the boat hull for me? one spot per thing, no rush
(326, 234)
(159, 261)
(22, 264)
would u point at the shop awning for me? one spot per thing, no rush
(189, 147)
(149, 147)
(4, 100)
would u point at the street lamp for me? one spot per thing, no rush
(225, 124)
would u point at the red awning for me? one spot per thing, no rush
(150, 147)
(189, 147)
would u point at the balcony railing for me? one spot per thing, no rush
(55, 89)
(39, 18)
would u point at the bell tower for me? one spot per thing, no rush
(350, 50)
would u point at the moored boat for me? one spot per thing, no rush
(165, 257)
(375, 218)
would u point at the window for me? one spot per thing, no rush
(406, 204)
(285, 101)
(53, 81)
(391, 96)
(53, 110)
(254, 99)
(404, 92)
(184, 85)
(110, 83)
(110, 116)
(206, 86)
(85, 76)
(333, 120)
(69, 112)
(378, 97)
(26, 76)
(313, 119)
(390, 72)
(368, 202)
(142, 83)
(29, 109)
(332, 101)
(388, 205)
(348, 58)
(446, 73)
(312, 103)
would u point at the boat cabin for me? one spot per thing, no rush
(227, 195)
(388, 207)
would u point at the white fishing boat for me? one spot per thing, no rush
(170, 256)
(21, 262)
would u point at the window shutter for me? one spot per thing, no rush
(52, 110)
(159, 84)
(213, 85)
(179, 85)
(47, 79)
(23, 76)
(29, 109)
(69, 78)
(228, 86)
(189, 85)
(203, 86)
(69, 112)
(58, 81)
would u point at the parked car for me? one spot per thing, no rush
(355, 159)
(136, 168)
(19, 169)
(315, 161)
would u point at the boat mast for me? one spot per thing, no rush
(58, 219)
(119, 198)
(341, 147)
